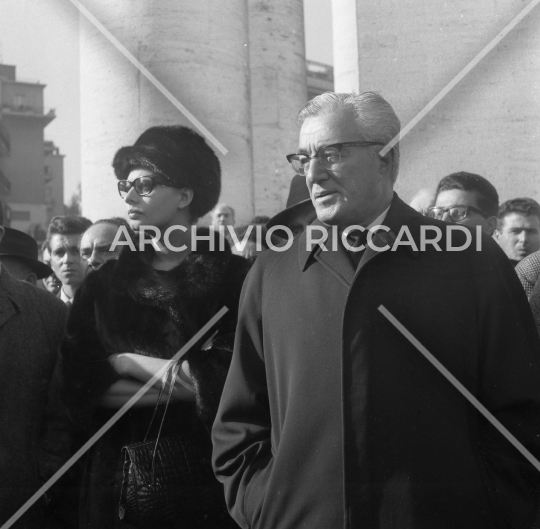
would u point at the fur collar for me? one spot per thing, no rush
(200, 274)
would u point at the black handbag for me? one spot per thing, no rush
(168, 480)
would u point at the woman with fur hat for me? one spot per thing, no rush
(135, 313)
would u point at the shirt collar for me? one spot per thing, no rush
(64, 297)
(395, 215)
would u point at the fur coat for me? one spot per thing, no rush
(127, 306)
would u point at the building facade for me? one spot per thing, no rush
(240, 68)
(237, 66)
(31, 173)
(409, 51)
(320, 78)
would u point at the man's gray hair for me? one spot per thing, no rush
(374, 115)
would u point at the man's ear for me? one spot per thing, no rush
(185, 197)
(31, 278)
(2, 231)
(386, 163)
(491, 224)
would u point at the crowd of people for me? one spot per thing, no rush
(302, 406)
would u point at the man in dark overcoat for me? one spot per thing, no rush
(330, 418)
(33, 439)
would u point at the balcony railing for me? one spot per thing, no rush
(28, 110)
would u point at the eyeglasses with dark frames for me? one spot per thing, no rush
(143, 185)
(329, 157)
(456, 213)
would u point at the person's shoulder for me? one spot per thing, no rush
(47, 304)
(529, 266)
(239, 264)
(276, 261)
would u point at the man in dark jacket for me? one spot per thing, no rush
(31, 326)
(330, 417)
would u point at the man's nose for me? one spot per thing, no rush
(95, 261)
(446, 217)
(315, 172)
(69, 257)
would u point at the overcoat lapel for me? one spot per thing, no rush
(336, 261)
(397, 216)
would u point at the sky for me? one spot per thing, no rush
(40, 37)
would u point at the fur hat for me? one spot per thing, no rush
(179, 154)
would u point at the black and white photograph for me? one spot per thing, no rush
(270, 264)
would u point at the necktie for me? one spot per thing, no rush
(356, 240)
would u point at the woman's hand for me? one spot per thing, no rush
(185, 369)
(143, 368)
(121, 363)
(121, 392)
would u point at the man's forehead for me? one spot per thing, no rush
(99, 234)
(518, 220)
(456, 197)
(330, 127)
(59, 239)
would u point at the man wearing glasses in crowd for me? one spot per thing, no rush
(329, 416)
(467, 199)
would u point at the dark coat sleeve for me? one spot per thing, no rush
(56, 433)
(509, 378)
(84, 369)
(535, 304)
(242, 455)
(209, 367)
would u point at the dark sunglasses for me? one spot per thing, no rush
(143, 185)
(456, 213)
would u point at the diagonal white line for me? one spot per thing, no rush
(461, 388)
(123, 50)
(510, 26)
(75, 457)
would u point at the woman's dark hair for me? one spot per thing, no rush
(180, 155)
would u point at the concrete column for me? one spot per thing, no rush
(489, 123)
(198, 50)
(278, 92)
(345, 49)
